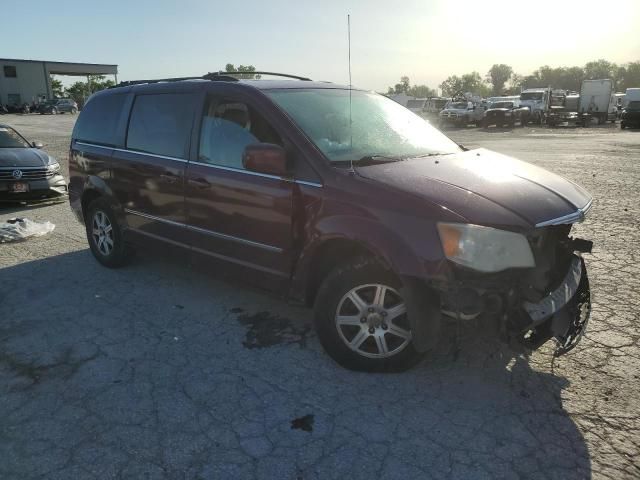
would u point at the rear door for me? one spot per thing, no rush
(236, 215)
(150, 170)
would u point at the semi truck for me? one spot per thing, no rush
(598, 100)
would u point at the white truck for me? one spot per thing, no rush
(597, 100)
(417, 105)
(631, 95)
(461, 112)
(537, 99)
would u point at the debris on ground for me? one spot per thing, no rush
(267, 330)
(303, 423)
(16, 229)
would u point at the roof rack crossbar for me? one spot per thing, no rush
(275, 74)
(213, 76)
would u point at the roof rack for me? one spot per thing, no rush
(285, 75)
(212, 76)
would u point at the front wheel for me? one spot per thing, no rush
(105, 235)
(74, 110)
(54, 111)
(361, 318)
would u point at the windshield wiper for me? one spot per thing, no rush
(431, 155)
(375, 159)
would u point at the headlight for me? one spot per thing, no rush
(484, 249)
(53, 166)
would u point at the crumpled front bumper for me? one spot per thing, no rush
(562, 315)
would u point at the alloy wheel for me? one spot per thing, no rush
(102, 232)
(372, 321)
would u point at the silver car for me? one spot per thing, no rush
(58, 105)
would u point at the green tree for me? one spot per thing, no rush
(56, 88)
(515, 84)
(421, 91)
(628, 76)
(473, 83)
(402, 87)
(452, 86)
(600, 69)
(498, 75)
(245, 71)
(81, 91)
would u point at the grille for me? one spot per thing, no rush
(27, 174)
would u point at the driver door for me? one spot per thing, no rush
(236, 215)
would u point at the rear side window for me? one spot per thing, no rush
(98, 121)
(161, 124)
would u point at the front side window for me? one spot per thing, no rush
(9, 138)
(531, 96)
(160, 124)
(227, 128)
(502, 105)
(378, 127)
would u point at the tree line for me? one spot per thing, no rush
(502, 80)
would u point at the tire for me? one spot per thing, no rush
(54, 111)
(105, 235)
(623, 125)
(74, 110)
(375, 324)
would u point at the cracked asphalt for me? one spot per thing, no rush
(163, 370)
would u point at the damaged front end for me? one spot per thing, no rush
(528, 306)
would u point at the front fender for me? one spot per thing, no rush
(410, 247)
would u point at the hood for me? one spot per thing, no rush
(484, 187)
(23, 157)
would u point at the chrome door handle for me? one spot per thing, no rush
(169, 177)
(200, 183)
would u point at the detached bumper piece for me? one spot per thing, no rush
(562, 315)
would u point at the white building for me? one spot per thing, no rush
(29, 81)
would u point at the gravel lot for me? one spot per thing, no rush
(160, 370)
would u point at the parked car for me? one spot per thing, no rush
(506, 114)
(58, 105)
(368, 213)
(631, 115)
(27, 173)
(460, 114)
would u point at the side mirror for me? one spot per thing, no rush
(265, 158)
(37, 144)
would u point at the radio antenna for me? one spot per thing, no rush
(350, 86)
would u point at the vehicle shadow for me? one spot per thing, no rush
(148, 352)
(9, 208)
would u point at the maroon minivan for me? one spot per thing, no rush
(338, 198)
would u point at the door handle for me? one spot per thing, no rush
(200, 183)
(168, 177)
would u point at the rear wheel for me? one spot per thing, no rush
(105, 235)
(361, 318)
(54, 111)
(74, 110)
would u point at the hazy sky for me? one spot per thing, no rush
(426, 40)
